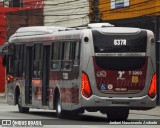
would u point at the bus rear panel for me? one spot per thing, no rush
(121, 71)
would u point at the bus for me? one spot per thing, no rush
(73, 70)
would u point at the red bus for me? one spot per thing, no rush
(97, 68)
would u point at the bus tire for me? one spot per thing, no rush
(60, 113)
(117, 113)
(20, 108)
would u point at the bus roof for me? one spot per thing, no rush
(43, 33)
(37, 30)
(27, 34)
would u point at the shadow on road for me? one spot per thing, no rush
(50, 118)
(78, 119)
(145, 114)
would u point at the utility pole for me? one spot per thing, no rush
(96, 13)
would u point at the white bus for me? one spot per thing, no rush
(70, 70)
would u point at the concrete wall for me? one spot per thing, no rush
(67, 13)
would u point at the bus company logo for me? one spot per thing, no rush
(101, 74)
(120, 75)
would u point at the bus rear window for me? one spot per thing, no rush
(113, 43)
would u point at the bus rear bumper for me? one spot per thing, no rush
(141, 103)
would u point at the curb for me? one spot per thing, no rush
(3, 98)
(2, 94)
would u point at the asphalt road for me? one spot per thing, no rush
(86, 120)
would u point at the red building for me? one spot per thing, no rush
(10, 10)
(33, 3)
(3, 31)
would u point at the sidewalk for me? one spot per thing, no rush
(3, 98)
(152, 112)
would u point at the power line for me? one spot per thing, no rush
(27, 3)
(48, 9)
(67, 19)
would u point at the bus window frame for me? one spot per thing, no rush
(37, 62)
(74, 55)
(66, 63)
(18, 62)
(77, 54)
(72, 61)
(56, 60)
(10, 66)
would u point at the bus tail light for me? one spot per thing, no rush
(10, 79)
(153, 90)
(86, 88)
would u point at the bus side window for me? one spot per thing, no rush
(66, 56)
(21, 57)
(76, 53)
(10, 70)
(37, 60)
(23, 61)
(56, 56)
(17, 57)
(71, 55)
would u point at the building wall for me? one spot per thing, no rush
(33, 3)
(136, 8)
(3, 30)
(22, 3)
(23, 18)
(1, 4)
(67, 13)
(3, 26)
(2, 77)
(10, 20)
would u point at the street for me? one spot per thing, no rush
(87, 120)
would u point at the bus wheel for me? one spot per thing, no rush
(118, 113)
(20, 108)
(60, 113)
